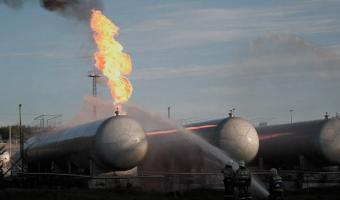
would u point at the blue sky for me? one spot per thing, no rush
(202, 58)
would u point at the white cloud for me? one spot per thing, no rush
(276, 55)
(190, 27)
(335, 48)
(194, 71)
(55, 55)
(278, 72)
(282, 53)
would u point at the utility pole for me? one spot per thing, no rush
(10, 140)
(169, 110)
(291, 115)
(52, 117)
(21, 142)
(42, 120)
(94, 75)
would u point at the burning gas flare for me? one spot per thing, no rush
(110, 58)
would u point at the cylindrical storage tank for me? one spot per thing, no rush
(330, 140)
(307, 144)
(238, 138)
(120, 151)
(116, 143)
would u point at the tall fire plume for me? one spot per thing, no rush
(110, 59)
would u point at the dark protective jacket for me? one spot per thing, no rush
(243, 177)
(228, 174)
(276, 184)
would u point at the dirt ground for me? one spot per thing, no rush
(82, 194)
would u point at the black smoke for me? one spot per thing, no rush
(15, 4)
(75, 9)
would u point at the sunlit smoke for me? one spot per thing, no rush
(110, 58)
(104, 109)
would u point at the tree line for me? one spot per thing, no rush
(28, 132)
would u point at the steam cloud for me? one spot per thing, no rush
(75, 9)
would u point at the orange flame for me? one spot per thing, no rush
(110, 58)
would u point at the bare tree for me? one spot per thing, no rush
(2, 162)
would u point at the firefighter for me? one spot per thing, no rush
(242, 181)
(229, 176)
(275, 186)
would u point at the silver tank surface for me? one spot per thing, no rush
(238, 138)
(330, 140)
(116, 143)
(234, 135)
(169, 151)
(317, 142)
